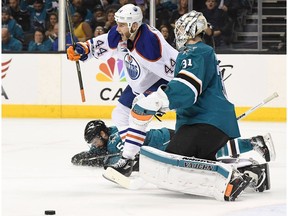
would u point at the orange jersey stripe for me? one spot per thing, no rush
(135, 137)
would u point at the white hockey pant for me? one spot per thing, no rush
(120, 118)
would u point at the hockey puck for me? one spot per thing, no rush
(50, 212)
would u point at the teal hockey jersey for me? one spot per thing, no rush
(157, 138)
(197, 91)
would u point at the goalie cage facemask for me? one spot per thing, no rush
(189, 26)
(93, 129)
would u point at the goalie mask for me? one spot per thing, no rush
(129, 14)
(188, 27)
(93, 129)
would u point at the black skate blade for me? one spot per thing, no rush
(239, 189)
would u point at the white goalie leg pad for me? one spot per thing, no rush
(184, 174)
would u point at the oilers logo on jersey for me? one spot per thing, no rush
(132, 67)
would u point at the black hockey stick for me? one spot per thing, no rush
(73, 43)
(271, 97)
(223, 71)
(231, 66)
(104, 156)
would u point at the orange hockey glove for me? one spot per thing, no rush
(79, 53)
(71, 55)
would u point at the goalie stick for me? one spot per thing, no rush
(224, 69)
(73, 43)
(265, 101)
(135, 183)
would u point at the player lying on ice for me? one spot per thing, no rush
(205, 122)
(106, 146)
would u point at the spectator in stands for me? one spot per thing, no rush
(116, 4)
(220, 27)
(49, 5)
(99, 17)
(14, 28)
(199, 5)
(9, 43)
(53, 35)
(110, 21)
(169, 5)
(163, 14)
(55, 6)
(221, 5)
(5, 3)
(52, 21)
(99, 30)
(82, 29)
(91, 4)
(181, 10)
(40, 43)
(164, 29)
(22, 18)
(38, 13)
(68, 40)
(231, 7)
(79, 4)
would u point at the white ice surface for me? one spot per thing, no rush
(37, 175)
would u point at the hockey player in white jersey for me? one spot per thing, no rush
(205, 121)
(148, 58)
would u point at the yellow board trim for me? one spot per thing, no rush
(104, 112)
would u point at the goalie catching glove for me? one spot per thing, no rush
(145, 108)
(79, 52)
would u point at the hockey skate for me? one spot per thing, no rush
(123, 166)
(238, 183)
(260, 176)
(264, 146)
(136, 163)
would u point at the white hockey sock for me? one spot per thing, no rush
(134, 140)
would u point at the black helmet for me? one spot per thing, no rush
(93, 129)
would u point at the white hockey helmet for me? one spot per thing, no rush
(189, 26)
(129, 14)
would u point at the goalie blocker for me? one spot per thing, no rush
(191, 175)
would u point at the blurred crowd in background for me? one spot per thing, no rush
(32, 25)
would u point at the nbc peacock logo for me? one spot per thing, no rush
(5, 66)
(112, 70)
